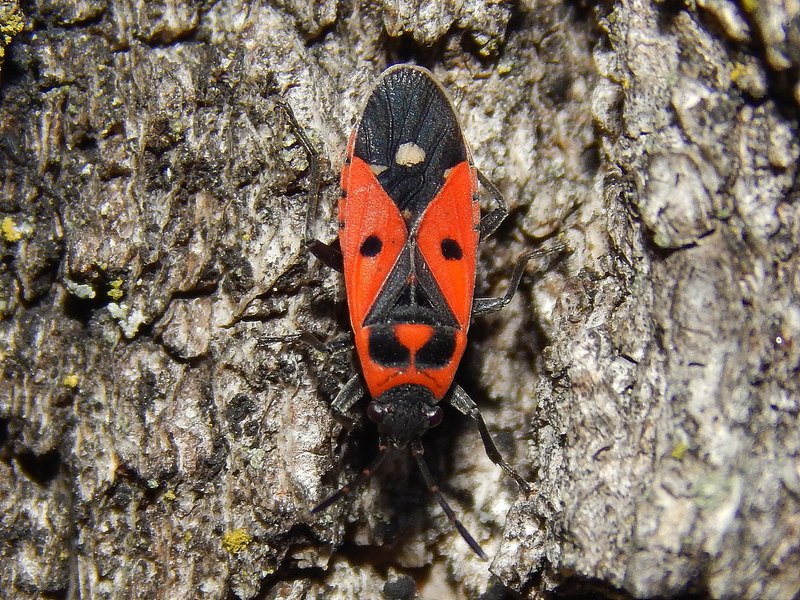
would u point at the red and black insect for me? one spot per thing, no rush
(409, 229)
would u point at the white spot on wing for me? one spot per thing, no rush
(378, 169)
(409, 154)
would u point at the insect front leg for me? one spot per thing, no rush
(328, 254)
(348, 397)
(461, 401)
(353, 390)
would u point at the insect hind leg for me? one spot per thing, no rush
(485, 306)
(491, 221)
(328, 254)
(461, 401)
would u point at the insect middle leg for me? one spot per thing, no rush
(485, 306)
(341, 343)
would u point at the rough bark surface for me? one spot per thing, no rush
(154, 444)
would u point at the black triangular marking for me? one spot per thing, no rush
(410, 294)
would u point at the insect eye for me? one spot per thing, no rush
(435, 416)
(376, 412)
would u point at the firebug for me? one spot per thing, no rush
(409, 228)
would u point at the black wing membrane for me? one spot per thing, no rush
(408, 107)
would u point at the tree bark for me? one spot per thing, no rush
(156, 443)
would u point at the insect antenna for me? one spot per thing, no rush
(357, 481)
(417, 450)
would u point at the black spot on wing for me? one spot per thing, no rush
(451, 249)
(385, 349)
(437, 351)
(408, 106)
(371, 246)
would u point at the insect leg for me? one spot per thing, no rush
(359, 480)
(353, 390)
(418, 451)
(461, 401)
(491, 221)
(485, 306)
(341, 343)
(348, 396)
(328, 254)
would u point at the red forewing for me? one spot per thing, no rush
(372, 235)
(448, 239)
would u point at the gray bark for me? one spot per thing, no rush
(154, 445)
